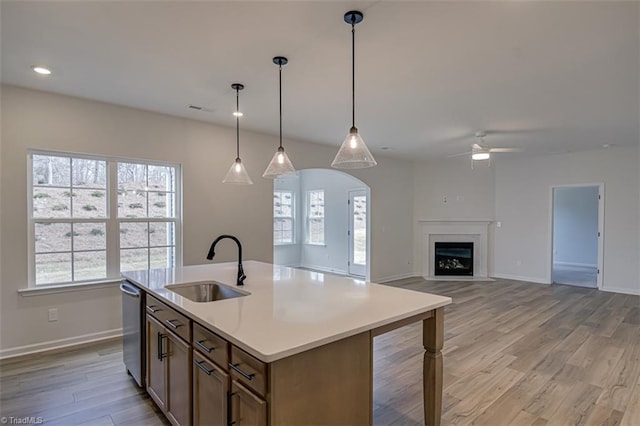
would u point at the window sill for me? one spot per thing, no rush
(315, 244)
(65, 288)
(285, 244)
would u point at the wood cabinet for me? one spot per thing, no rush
(210, 393)
(155, 376)
(246, 408)
(168, 372)
(178, 381)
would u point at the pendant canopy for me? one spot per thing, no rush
(280, 163)
(353, 153)
(237, 173)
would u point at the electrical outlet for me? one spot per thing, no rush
(53, 314)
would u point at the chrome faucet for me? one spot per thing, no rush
(241, 275)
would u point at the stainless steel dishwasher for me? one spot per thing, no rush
(133, 331)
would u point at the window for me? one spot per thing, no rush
(283, 212)
(315, 217)
(83, 230)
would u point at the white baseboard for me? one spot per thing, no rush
(290, 265)
(579, 265)
(634, 292)
(59, 344)
(324, 269)
(520, 278)
(394, 278)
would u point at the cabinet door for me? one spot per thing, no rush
(156, 363)
(210, 390)
(178, 380)
(247, 409)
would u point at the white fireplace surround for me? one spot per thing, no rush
(463, 231)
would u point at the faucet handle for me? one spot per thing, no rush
(241, 275)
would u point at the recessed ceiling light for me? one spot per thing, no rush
(238, 114)
(385, 148)
(606, 145)
(41, 70)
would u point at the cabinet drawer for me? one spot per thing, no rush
(248, 370)
(169, 317)
(212, 346)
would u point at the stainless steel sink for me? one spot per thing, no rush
(208, 291)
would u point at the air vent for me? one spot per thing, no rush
(200, 108)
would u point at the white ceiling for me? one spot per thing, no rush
(545, 76)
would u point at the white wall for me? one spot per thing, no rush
(450, 190)
(522, 248)
(33, 119)
(289, 254)
(575, 225)
(333, 256)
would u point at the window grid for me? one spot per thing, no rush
(283, 217)
(315, 217)
(107, 221)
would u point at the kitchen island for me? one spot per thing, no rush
(295, 348)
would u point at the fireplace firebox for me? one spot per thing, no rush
(452, 258)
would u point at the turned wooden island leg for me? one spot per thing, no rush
(432, 340)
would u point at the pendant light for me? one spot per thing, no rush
(237, 174)
(280, 163)
(353, 153)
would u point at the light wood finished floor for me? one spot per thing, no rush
(515, 354)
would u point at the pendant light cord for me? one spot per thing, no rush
(353, 71)
(280, 85)
(237, 123)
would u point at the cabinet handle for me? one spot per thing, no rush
(160, 353)
(171, 323)
(200, 365)
(230, 395)
(201, 344)
(153, 309)
(235, 368)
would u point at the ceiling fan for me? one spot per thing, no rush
(481, 151)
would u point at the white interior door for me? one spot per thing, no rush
(358, 233)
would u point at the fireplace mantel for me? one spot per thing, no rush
(475, 231)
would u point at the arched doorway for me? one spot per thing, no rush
(322, 222)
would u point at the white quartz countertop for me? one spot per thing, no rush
(288, 310)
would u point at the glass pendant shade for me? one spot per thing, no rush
(353, 153)
(237, 174)
(279, 165)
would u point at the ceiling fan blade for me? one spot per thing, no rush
(477, 147)
(505, 150)
(514, 131)
(458, 155)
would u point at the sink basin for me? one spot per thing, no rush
(208, 291)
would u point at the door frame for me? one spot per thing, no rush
(601, 202)
(350, 234)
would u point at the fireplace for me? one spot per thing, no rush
(453, 258)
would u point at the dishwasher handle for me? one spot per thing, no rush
(129, 290)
